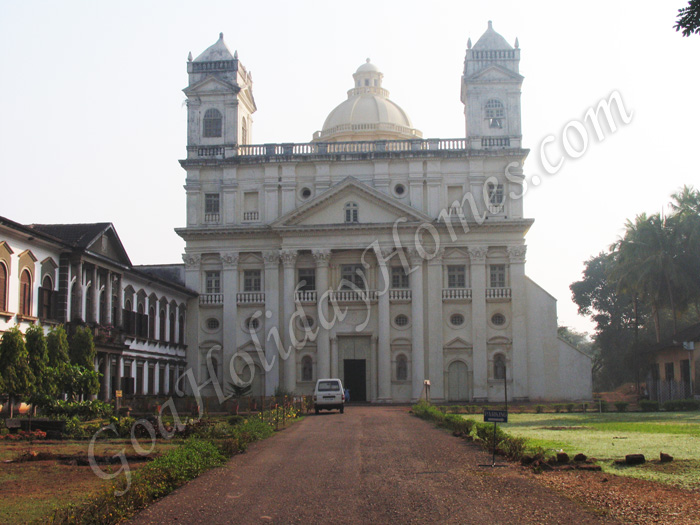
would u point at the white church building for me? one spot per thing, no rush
(371, 253)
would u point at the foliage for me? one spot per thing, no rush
(621, 406)
(38, 358)
(648, 406)
(512, 447)
(17, 376)
(83, 410)
(81, 348)
(640, 291)
(452, 422)
(688, 19)
(677, 405)
(76, 381)
(539, 408)
(24, 435)
(57, 345)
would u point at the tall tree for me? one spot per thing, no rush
(38, 357)
(82, 348)
(688, 19)
(57, 343)
(17, 375)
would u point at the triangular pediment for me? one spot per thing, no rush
(211, 85)
(373, 206)
(107, 244)
(495, 73)
(457, 344)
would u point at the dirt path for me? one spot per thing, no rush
(369, 465)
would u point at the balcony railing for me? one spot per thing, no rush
(212, 218)
(456, 294)
(250, 298)
(251, 216)
(400, 295)
(306, 296)
(498, 293)
(211, 298)
(352, 296)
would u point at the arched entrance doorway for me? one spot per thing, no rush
(458, 382)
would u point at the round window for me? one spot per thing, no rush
(305, 193)
(401, 320)
(400, 190)
(498, 319)
(457, 319)
(252, 324)
(212, 324)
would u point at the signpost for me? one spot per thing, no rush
(497, 416)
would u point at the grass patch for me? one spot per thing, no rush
(611, 436)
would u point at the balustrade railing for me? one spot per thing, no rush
(211, 298)
(352, 296)
(306, 296)
(498, 293)
(251, 216)
(456, 294)
(400, 295)
(250, 297)
(211, 218)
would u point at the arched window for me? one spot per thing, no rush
(212, 123)
(495, 113)
(172, 327)
(244, 132)
(307, 369)
(3, 288)
(25, 293)
(499, 366)
(103, 307)
(401, 368)
(351, 214)
(161, 325)
(45, 298)
(181, 330)
(151, 322)
(75, 306)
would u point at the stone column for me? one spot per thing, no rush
(417, 319)
(323, 358)
(108, 300)
(383, 331)
(230, 314)
(92, 316)
(289, 260)
(373, 384)
(120, 372)
(272, 316)
(435, 343)
(477, 272)
(118, 321)
(334, 355)
(193, 281)
(518, 362)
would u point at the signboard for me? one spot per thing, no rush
(118, 393)
(495, 416)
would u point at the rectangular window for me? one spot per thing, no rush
(250, 206)
(352, 273)
(495, 194)
(456, 277)
(399, 277)
(498, 275)
(669, 372)
(252, 281)
(213, 283)
(307, 279)
(211, 203)
(454, 193)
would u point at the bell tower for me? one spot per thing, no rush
(491, 86)
(220, 103)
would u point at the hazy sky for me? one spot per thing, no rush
(93, 122)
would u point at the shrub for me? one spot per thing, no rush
(603, 405)
(84, 410)
(539, 408)
(558, 408)
(677, 405)
(621, 406)
(569, 407)
(235, 420)
(452, 422)
(648, 406)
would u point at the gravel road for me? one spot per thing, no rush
(369, 465)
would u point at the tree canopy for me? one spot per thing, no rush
(688, 19)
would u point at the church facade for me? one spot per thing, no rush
(370, 253)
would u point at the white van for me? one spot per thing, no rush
(329, 394)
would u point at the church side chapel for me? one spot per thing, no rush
(357, 254)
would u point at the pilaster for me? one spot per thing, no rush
(477, 271)
(434, 313)
(272, 319)
(229, 261)
(323, 359)
(289, 260)
(383, 330)
(417, 320)
(519, 367)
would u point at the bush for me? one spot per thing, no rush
(84, 410)
(235, 420)
(539, 408)
(452, 422)
(621, 406)
(603, 405)
(678, 405)
(648, 406)
(569, 407)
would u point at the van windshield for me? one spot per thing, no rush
(328, 386)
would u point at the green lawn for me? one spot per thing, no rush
(611, 436)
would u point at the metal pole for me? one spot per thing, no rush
(493, 461)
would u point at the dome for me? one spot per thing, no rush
(367, 114)
(492, 40)
(219, 51)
